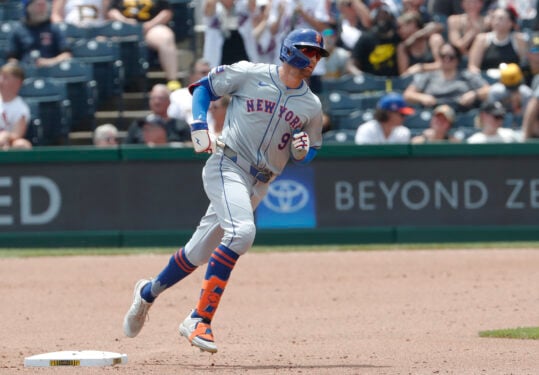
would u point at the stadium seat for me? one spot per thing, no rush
(352, 120)
(48, 100)
(81, 90)
(527, 25)
(339, 100)
(108, 71)
(344, 136)
(442, 19)
(466, 119)
(6, 28)
(419, 120)
(362, 83)
(399, 84)
(463, 133)
(34, 131)
(183, 21)
(512, 121)
(11, 10)
(74, 33)
(133, 50)
(416, 132)
(339, 104)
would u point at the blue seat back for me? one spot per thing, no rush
(11, 10)
(108, 69)
(48, 99)
(356, 84)
(6, 28)
(419, 120)
(81, 90)
(340, 137)
(132, 48)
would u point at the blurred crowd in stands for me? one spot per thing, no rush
(399, 71)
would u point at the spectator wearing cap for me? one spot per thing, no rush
(36, 41)
(386, 126)
(501, 45)
(531, 68)
(376, 49)
(106, 135)
(490, 122)
(443, 117)
(154, 130)
(177, 130)
(511, 90)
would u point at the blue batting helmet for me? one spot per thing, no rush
(290, 52)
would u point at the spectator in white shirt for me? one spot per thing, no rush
(14, 112)
(490, 122)
(386, 126)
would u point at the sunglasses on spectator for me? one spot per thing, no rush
(448, 56)
(311, 52)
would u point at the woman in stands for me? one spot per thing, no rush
(464, 27)
(460, 89)
(229, 36)
(154, 16)
(416, 54)
(501, 45)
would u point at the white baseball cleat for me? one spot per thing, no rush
(198, 332)
(136, 316)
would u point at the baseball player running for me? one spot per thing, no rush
(273, 116)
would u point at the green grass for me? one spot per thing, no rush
(37, 252)
(524, 333)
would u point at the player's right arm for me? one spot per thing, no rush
(200, 135)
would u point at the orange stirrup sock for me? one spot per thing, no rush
(220, 266)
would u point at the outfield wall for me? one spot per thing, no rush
(138, 196)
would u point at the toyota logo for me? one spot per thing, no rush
(286, 196)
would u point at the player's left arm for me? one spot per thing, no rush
(307, 141)
(301, 150)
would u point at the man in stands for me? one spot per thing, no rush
(37, 41)
(177, 131)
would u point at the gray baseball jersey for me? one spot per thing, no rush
(260, 120)
(263, 113)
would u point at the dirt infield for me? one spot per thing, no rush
(379, 312)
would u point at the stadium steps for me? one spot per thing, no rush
(133, 105)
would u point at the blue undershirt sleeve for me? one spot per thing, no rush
(202, 96)
(308, 158)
